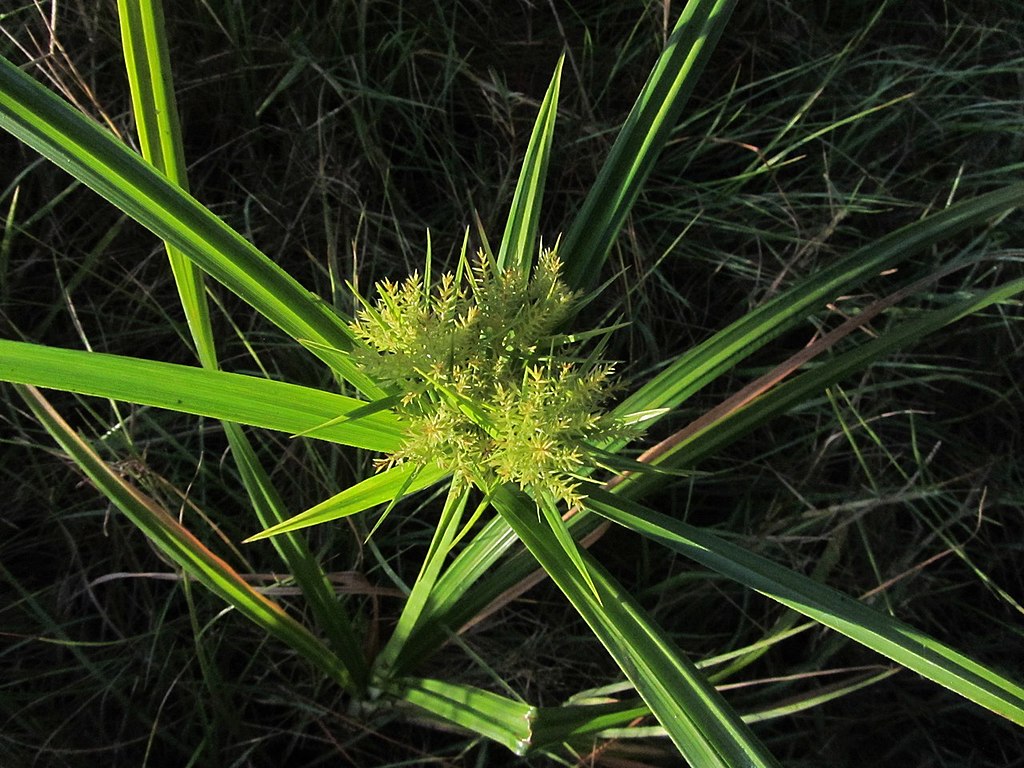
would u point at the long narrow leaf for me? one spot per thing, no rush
(701, 724)
(460, 594)
(893, 639)
(377, 489)
(230, 396)
(177, 543)
(440, 545)
(564, 539)
(642, 138)
(519, 242)
(147, 62)
(70, 140)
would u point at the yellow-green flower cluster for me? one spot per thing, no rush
(484, 379)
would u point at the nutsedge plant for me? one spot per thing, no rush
(473, 380)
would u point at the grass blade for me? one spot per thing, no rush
(641, 139)
(704, 728)
(579, 724)
(382, 488)
(459, 595)
(73, 142)
(820, 696)
(558, 528)
(893, 639)
(147, 62)
(229, 396)
(519, 242)
(423, 588)
(177, 543)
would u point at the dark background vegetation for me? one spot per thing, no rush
(335, 134)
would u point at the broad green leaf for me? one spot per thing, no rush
(893, 639)
(178, 544)
(701, 724)
(519, 242)
(229, 396)
(93, 156)
(641, 139)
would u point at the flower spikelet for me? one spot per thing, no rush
(487, 387)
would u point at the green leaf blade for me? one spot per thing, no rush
(518, 243)
(642, 138)
(73, 142)
(382, 488)
(704, 728)
(901, 643)
(230, 396)
(147, 62)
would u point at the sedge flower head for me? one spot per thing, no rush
(489, 390)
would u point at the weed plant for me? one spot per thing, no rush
(837, 193)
